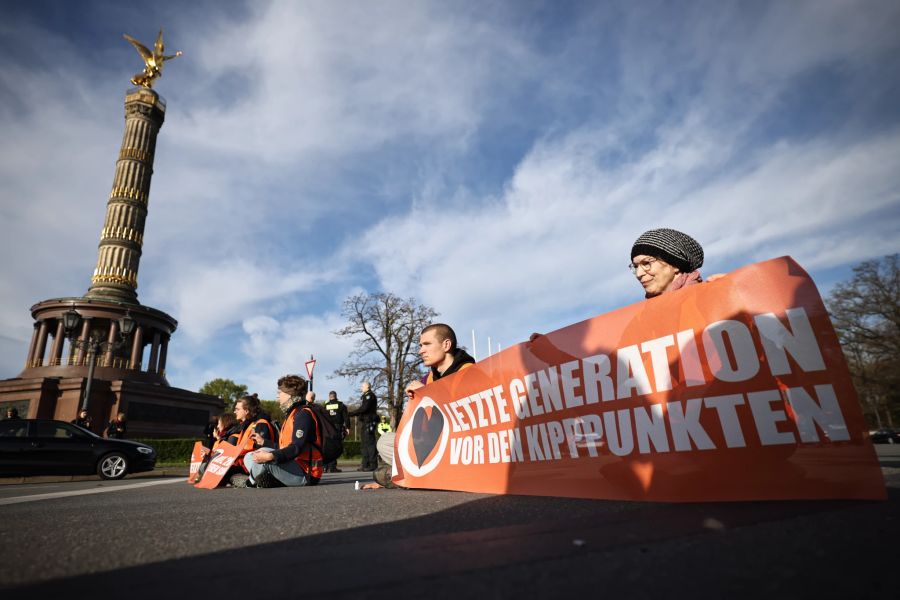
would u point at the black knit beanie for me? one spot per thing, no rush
(678, 249)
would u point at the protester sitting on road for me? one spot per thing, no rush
(117, 428)
(228, 430)
(256, 431)
(437, 347)
(298, 460)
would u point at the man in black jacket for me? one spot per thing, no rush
(368, 416)
(337, 414)
(439, 352)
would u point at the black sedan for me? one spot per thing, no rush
(46, 447)
(885, 436)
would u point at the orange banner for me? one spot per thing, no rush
(223, 456)
(198, 455)
(735, 389)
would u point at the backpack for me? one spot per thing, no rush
(332, 442)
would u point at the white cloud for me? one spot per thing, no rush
(495, 163)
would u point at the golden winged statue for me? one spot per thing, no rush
(153, 61)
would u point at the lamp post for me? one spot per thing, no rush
(94, 344)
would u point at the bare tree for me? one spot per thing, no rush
(866, 315)
(386, 329)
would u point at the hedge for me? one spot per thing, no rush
(179, 450)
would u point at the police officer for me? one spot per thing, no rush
(384, 426)
(337, 414)
(367, 417)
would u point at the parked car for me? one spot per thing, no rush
(885, 436)
(47, 447)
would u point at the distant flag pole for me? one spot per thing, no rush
(474, 348)
(489, 346)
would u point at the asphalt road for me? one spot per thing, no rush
(152, 538)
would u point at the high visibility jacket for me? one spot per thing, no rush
(245, 442)
(383, 428)
(310, 458)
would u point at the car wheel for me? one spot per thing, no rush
(112, 466)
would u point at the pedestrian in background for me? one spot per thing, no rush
(384, 426)
(368, 416)
(337, 414)
(117, 428)
(83, 419)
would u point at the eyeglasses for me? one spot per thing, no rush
(644, 264)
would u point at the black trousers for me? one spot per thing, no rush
(369, 454)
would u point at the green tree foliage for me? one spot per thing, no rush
(386, 330)
(225, 389)
(273, 408)
(866, 315)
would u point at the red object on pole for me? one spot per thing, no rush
(310, 365)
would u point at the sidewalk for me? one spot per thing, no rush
(166, 471)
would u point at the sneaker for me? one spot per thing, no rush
(239, 480)
(267, 480)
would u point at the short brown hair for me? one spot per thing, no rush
(443, 332)
(294, 385)
(252, 405)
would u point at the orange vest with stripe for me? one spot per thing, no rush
(310, 458)
(245, 442)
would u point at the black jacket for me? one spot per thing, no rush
(337, 414)
(460, 358)
(367, 411)
(304, 431)
(117, 429)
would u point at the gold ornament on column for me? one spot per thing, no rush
(153, 61)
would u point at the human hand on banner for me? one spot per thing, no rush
(413, 385)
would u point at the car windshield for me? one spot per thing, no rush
(15, 428)
(82, 430)
(60, 430)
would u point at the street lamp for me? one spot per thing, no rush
(94, 344)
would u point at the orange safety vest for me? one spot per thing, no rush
(245, 442)
(309, 460)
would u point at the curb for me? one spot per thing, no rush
(178, 471)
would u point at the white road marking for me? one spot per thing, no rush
(36, 497)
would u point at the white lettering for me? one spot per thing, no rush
(777, 342)
(741, 344)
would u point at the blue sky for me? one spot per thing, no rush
(495, 162)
